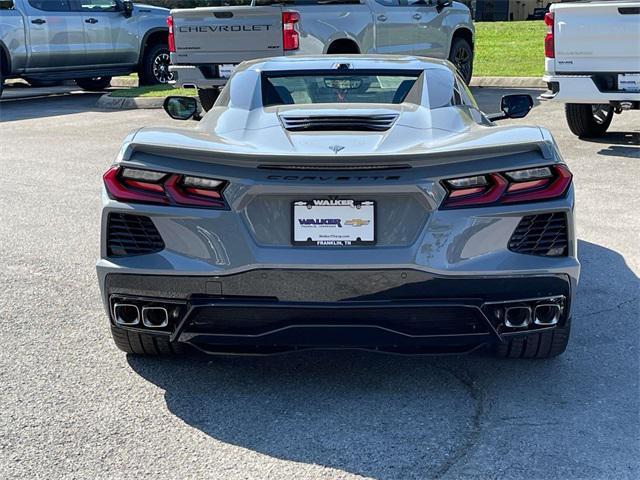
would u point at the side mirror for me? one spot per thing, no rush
(514, 106)
(7, 5)
(182, 108)
(127, 8)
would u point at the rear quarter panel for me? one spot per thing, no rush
(12, 38)
(321, 25)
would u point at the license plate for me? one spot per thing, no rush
(333, 223)
(629, 82)
(226, 70)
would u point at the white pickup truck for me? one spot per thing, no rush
(592, 63)
(206, 43)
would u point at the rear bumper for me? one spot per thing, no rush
(395, 310)
(191, 76)
(583, 89)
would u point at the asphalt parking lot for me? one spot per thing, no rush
(73, 406)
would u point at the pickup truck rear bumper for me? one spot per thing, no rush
(190, 76)
(583, 89)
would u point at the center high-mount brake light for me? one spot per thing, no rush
(549, 47)
(290, 36)
(171, 38)
(148, 186)
(515, 186)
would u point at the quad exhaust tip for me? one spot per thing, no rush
(126, 314)
(547, 314)
(517, 317)
(155, 317)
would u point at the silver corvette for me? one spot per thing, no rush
(340, 202)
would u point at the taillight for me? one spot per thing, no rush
(148, 186)
(549, 48)
(172, 38)
(526, 185)
(290, 36)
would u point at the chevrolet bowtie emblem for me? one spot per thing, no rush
(336, 148)
(357, 222)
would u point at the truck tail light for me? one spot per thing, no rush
(527, 185)
(148, 186)
(290, 35)
(172, 38)
(549, 48)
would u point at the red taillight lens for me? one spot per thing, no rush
(290, 36)
(172, 38)
(549, 48)
(147, 186)
(526, 185)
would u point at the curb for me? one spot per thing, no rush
(508, 82)
(129, 103)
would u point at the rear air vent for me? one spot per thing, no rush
(544, 234)
(132, 235)
(364, 123)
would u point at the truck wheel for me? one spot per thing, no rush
(588, 120)
(536, 345)
(142, 344)
(461, 55)
(154, 69)
(1, 83)
(94, 84)
(208, 97)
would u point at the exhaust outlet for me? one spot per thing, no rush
(155, 317)
(126, 314)
(547, 314)
(517, 317)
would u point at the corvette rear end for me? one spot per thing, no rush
(403, 225)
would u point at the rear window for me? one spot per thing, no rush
(333, 86)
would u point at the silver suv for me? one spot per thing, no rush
(88, 41)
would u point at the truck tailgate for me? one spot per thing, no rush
(226, 34)
(597, 37)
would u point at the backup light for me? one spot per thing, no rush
(149, 186)
(514, 186)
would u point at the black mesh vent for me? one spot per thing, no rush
(544, 234)
(132, 235)
(375, 123)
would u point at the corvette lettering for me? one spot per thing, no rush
(223, 28)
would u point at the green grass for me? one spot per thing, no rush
(154, 91)
(509, 49)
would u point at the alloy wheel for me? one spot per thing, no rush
(462, 61)
(601, 113)
(161, 68)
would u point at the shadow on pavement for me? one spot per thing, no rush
(409, 417)
(48, 105)
(621, 144)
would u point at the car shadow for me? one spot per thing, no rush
(621, 144)
(51, 102)
(384, 416)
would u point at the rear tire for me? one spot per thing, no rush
(588, 120)
(154, 68)
(536, 345)
(143, 344)
(461, 55)
(208, 97)
(94, 84)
